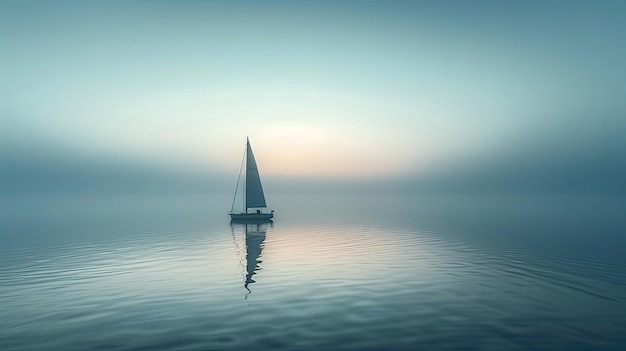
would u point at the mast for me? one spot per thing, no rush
(245, 188)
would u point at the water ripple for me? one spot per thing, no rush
(319, 285)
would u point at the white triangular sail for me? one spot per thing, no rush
(254, 189)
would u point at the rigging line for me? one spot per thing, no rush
(238, 178)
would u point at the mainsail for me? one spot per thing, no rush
(254, 189)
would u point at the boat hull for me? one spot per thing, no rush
(251, 217)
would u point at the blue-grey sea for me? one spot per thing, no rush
(333, 272)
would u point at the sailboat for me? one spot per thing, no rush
(253, 197)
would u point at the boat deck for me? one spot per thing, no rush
(251, 217)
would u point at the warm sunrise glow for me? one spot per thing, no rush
(313, 151)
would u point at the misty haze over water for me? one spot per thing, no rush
(347, 271)
(444, 175)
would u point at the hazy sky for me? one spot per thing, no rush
(324, 89)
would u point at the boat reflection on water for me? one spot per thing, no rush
(255, 233)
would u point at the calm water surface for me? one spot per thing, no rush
(334, 271)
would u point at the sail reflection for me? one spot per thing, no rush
(255, 234)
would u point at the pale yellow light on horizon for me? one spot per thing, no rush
(306, 150)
